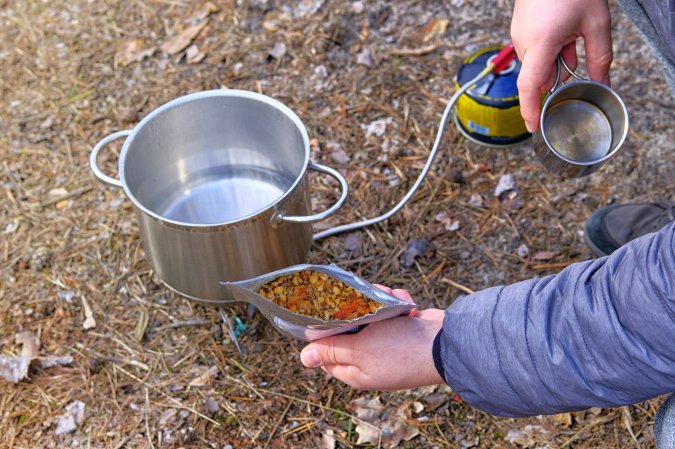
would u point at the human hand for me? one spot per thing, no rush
(393, 354)
(542, 29)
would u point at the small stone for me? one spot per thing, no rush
(506, 183)
(523, 251)
(366, 58)
(211, 405)
(321, 71)
(278, 50)
(73, 417)
(40, 259)
(357, 7)
(340, 156)
(476, 200)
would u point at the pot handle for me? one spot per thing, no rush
(279, 217)
(94, 155)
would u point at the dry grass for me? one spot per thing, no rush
(158, 370)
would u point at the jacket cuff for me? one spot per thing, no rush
(436, 354)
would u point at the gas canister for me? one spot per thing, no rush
(489, 113)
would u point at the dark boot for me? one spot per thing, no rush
(613, 226)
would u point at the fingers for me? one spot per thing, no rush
(383, 288)
(569, 54)
(350, 374)
(399, 293)
(598, 44)
(335, 350)
(534, 74)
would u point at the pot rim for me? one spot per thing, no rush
(571, 85)
(200, 96)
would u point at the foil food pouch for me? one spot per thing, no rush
(309, 328)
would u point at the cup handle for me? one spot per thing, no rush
(561, 61)
(279, 217)
(94, 156)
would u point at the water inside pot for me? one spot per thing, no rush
(221, 194)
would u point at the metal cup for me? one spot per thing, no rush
(583, 124)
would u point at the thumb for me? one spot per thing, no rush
(534, 73)
(310, 356)
(327, 352)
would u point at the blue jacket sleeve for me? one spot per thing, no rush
(599, 333)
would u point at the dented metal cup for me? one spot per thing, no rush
(583, 124)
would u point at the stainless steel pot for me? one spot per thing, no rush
(219, 186)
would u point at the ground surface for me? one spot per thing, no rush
(155, 370)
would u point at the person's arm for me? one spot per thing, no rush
(542, 29)
(600, 333)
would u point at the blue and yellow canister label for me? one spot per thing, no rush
(489, 112)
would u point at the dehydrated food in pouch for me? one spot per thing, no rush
(318, 295)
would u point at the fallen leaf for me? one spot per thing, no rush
(368, 409)
(544, 255)
(167, 416)
(203, 12)
(450, 224)
(563, 418)
(434, 28)
(12, 226)
(66, 295)
(181, 40)
(204, 379)
(308, 8)
(89, 321)
(328, 440)
(54, 360)
(377, 127)
(60, 191)
(271, 25)
(47, 123)
(193, 55)
(368, 434)
(379, 424)
(466, 444)
(30, 344)
(14, 369)
(414, 249)
(527, 436)
(354, 244)
(133, 51)
(71, 419)
(434, 400)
